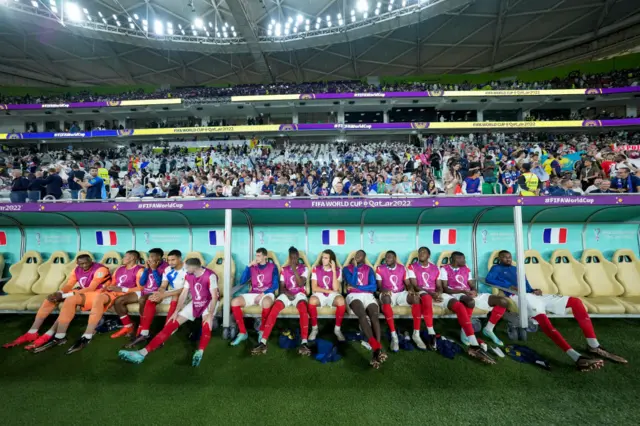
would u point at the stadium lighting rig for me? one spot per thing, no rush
(362, 13)
(73, 13)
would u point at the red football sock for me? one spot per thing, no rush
(581, 315)
(265, 315)
(463, 318)
(271, 319)
(469, 310)
(147, 316)
(126, 321)
(239, 317)
(416, 313)
(375, 345)
(340, 310)
(163, 336)
(313, 313)
(551, 332)
(304, 320)
(205, 336)
(387, 310)
(426, 301)
(172, 310)
(496, 313)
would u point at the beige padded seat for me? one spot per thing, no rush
(217, 266)
(194, 255)
(327, 310)
(629, 276)
(143, 257)
(257, 310)
(112, 260)
(568, 275)
(53, 275)
(600, 274)
(19, 288)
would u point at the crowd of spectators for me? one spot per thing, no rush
(473, 164)
(616, 78)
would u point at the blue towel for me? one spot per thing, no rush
(448, 348)
(527, 355)
(353, 336)
(327, 352)
(289, 339)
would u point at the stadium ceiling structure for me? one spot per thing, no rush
(196, 42)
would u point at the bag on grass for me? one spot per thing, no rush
(326, 351)
(527, 355)
(289, 339)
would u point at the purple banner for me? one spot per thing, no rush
(323, 203)
(61, 105)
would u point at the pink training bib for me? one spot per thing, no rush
(200, 290)
(126, 278)
(363, 277)
(261, 279)
(152, 285)
(290, 279)
(425, 276)
(325, 278)
(458, 280)
(392, 279)
(86, 277)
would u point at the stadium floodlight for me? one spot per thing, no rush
(118, 23)
(224, 33)
(89, 18)
(195, 33)
(170, 31)
(233, 28)
(270, 26)
(218, 34)
(307, 27)
(115, 18)
(390, 7)
(135, 16)
(328, 24)
(132, 26)
(353, 12)
(290, 20)
(340, 22)
(353, 19)
(287, 24)
(226, 25)
(234, 34)
(169, 25)
(54, 9)
(328, 17)
(273, 22)
(84, 9)
(73, 12)
(278, 32)
(299, 19)
(210, 24)
(158, 28)
(144, 22)
(339, 15)
(52, 2)
(365, 15)
(319, 19)
(182, 31)
(404, 3)
(362, 6)
(269, 32)
(286, 31)
(295, 31)
(198, 23)
(129, 19)
(180, 26)
(378, 5)
(317, 25)
(207, 33)
(35, 4)
(104, 21)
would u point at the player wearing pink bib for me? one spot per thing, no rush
(361, 284)
(325, 286)
(391, 277)
(292, 293)
(458, 284)
(202, 285)
(424, 292)
(263, 276)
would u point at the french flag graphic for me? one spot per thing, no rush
(554, 236)
(3, 238)
(444, 236)
(106, 238)
(334, 237)
(216, 238)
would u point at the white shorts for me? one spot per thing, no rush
(250, 298)
(481, 300)
(165, 301)
(398, 299)
(187, 311)
(300, 297)
(551, 303)
(366, 299)
(326, 300)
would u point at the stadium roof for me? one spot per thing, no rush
(195, 42)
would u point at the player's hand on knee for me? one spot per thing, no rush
(55, 297)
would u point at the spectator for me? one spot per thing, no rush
(588, 173)
(604, 187)
(218, 192)
(37, 189)
(339, 190)
(53, 184)
(625, 182)
(73, 186)
(95, 186)
(528, 182)
(19, 187)
(472, 184)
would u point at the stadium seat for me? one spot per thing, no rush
(539, 272)
(19, 288)
(328, 310)
(568, 275)
(195, 255)
(257, 310)
(600, 274)
(217, 266)
(143, 257)
(53, 275)
(412, 258)
(112, 260)
(292, 310)
(629, 276)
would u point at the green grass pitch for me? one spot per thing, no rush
(233, 388)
